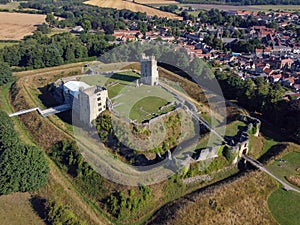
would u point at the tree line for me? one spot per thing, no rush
(259, 95)
(39, 50)
(23, 168)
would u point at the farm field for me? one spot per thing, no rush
(14, 26)
(251, 8)
(159, 2)
(119, 4)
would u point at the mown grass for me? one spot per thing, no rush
(285, 206)
(285, 168)
(146, 107)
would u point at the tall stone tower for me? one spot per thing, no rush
(149, 70)
(92, 101)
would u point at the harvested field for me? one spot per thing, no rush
(159, 2)
(14, 26)
(243, 7)
(119, 4)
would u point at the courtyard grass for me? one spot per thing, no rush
(285, 206)
(146, 108)
(130, 95)
(286, 167)
(114, 83)
(233, 128)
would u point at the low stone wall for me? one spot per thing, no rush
(160, 117)
(197, 178)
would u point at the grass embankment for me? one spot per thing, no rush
(234, 202)
(285, 205)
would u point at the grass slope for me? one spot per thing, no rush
(285, 207)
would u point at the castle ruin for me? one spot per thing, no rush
(149, 70)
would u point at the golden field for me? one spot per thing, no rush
(14, 26)
(159, 2)
(129, 5)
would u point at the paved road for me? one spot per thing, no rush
(258, 165)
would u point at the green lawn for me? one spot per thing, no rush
(283, 169)
(285, 206)
(146, 108)
(130, 95)
(114, 83)
(233, 128)
(268, 143)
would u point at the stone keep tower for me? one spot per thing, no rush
(149, 70)
(92, 101)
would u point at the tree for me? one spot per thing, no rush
(181, 59)
(50, 19)
(86, 25)
(44, 28)
(196, 67)
(5, 73)
(22, 167)
(142, 27)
